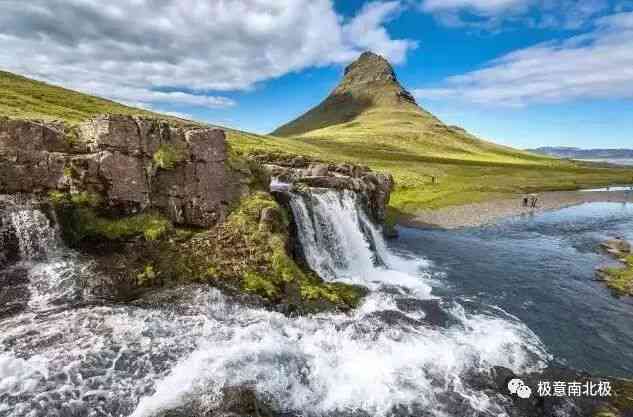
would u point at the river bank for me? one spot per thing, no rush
(487, 212)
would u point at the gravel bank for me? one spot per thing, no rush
(488, 212)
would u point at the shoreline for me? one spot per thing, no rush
(489, 212)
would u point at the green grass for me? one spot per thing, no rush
(620, 280)
(23, 98)
(461, 178)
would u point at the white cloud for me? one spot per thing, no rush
(178, 51)
(492, 14)
(366, 30)
(487, 6)
(598, 64)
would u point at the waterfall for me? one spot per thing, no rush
(36, 234)
(340, 243)
(330, 226)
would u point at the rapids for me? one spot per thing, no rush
(403, 352)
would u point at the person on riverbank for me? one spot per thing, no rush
(526, 201)
(533, 200)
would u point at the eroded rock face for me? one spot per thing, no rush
(132, 163)
(374, 188)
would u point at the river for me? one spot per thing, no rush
(443, 309)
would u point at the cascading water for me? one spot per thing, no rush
(391, 356)
(34, 231)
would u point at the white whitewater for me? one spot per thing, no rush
(139, 361)
(36, 235)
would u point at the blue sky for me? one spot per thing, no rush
(524, 73)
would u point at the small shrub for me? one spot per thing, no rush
(167, 156)
(147, 277)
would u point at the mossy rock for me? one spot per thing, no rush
(247, 254)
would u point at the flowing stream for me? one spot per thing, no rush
(403, 352)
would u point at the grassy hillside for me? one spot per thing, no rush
(459, 181)
(22, 97)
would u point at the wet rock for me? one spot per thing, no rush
(242, 401)
(9, 245)
(14, 293)
(132, 163)
(434, 315)
(237, 401)
(393, 318)
(617, 247)
(270, 220)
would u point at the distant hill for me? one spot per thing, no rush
(577, 153)
(370, 106)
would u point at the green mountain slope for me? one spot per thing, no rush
(370, 106)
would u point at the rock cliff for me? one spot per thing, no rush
(131, 163)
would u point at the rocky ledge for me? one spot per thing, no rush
(133, 164)
(299, 172)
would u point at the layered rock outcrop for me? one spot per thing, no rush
(130, 163)
(374, 188)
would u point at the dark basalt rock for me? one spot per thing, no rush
(9, 245)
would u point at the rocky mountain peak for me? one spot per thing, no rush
(370, 74)
(369, 67)
(370, 82)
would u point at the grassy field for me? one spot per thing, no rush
(404, 140)
(458, 181)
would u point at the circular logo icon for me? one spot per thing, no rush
(516, 386)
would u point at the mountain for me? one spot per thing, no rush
(371, 106)
(371, 119)
(369, 82)
(577, 153)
